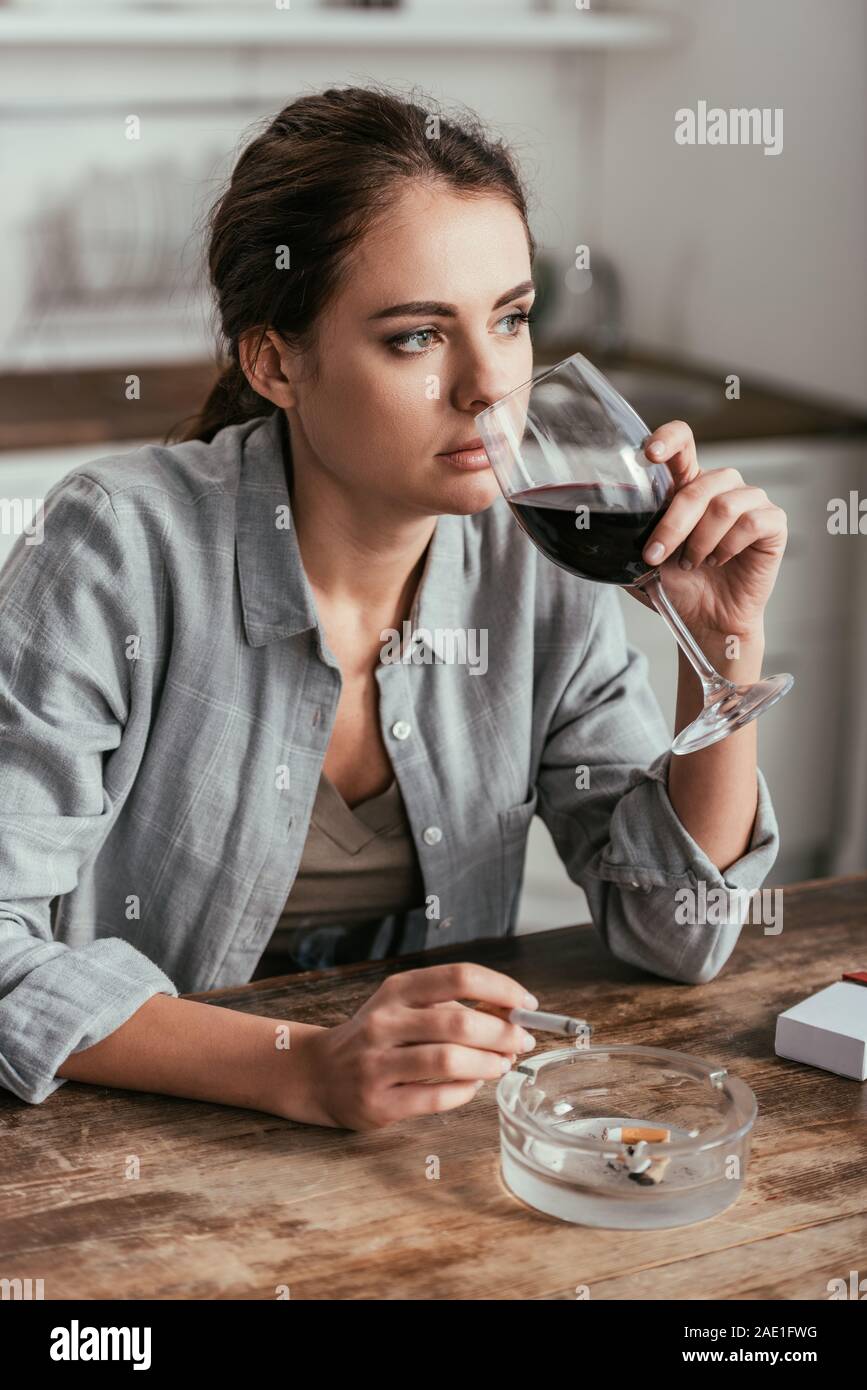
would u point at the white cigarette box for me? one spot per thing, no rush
(828, 1030)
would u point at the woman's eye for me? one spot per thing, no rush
(518, 318)
(402, 341)
(410, 344)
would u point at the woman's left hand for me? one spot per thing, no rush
(723, 542)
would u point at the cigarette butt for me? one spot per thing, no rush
(633, 1134)
(652, 1175)
(637, 1160)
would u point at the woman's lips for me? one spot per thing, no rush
(469, 459)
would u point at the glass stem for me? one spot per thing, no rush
(712, 682)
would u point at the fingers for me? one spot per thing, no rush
(763, 529)
(712, 515)
(434, 984)
(399, 1026)
(402, 1102)
(435, 1062)
(745, 511)
(686, 509)
(674, 445)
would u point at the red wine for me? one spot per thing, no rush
(597, 532)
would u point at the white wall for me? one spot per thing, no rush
(753, 261)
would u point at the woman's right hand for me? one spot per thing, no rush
(413, 1048)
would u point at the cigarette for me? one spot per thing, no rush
(532, 1018)
(632, 1134)
(652, 1175)
(641, 1169)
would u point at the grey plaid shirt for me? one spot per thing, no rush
(167, 695)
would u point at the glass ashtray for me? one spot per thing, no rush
(624, 1137)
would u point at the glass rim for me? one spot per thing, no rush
(531, 382)
(733, 1086)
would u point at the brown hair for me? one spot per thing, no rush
(313, 183)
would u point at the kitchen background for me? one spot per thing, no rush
(705, 261)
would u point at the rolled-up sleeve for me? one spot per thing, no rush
(66, 616)
(603, 795)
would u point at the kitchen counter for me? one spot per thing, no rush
(47, 410)
(43, 410)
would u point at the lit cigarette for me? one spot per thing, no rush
(545, 1023)
(633, 1134)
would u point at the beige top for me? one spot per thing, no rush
(358, 864)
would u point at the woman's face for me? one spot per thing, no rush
(397, 386)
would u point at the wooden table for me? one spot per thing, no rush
(233, 1203)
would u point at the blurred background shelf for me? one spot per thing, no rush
(343, 29)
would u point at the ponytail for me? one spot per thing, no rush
(231, 401)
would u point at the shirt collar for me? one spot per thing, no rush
(276, 598)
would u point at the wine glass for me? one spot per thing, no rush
(568, 453)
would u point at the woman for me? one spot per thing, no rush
(211, 752)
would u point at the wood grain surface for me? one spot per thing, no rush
(233, 1204)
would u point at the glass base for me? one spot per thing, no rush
(734, 706)
(585, 1205)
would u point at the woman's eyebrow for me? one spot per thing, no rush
(434, 308)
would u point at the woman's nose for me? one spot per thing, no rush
(484, 388)
(483, 378)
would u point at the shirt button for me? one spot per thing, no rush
(633, 883)
(401, 729)
(432, 835)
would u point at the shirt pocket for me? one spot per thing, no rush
(514, 829)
